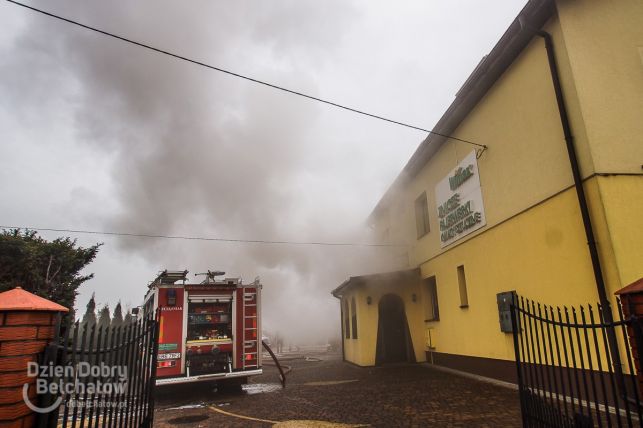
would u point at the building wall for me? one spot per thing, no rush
(519, 122)
(534, 241)
(605, 54)
(622, 199)
(604, 42)
(540, 254)
(361, 351)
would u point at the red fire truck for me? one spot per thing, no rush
(207, 331)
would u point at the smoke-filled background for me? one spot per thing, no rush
(97, 134)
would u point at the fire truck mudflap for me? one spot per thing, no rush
(207, 331)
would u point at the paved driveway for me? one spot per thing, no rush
(335, 392)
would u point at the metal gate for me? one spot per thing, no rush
(105, 375)
(570, 374)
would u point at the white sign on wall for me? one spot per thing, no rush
(459, 201)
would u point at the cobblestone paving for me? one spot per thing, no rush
(333, 391)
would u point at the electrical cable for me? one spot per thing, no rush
(231, 73)
(203, 238)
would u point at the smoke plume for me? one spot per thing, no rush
(194, 152)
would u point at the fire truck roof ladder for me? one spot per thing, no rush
(170, 277)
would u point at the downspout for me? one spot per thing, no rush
(582, 199)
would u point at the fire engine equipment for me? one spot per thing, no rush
(209, 330)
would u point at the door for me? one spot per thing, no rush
(393, 338)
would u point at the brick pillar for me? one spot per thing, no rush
(632, 304)
(26, 325)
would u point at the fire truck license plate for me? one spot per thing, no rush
(170, 356)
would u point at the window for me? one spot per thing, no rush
(462, 283)
(354, 318)
(432, 311)
(422, 215)
(347, 327)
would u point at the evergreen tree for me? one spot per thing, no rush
(50, 269)
(89, 319)
(90, 312)
(71, 315)
(117, 318)
(104, 319)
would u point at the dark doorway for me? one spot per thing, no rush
(393, 338)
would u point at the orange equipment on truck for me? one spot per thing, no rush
(207, 331)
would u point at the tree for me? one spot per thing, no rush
(89, 318)
(104, 320)
(128, 318)
(117, 318)
(90, 314)
(50, 269)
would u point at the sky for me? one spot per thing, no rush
(97, 134)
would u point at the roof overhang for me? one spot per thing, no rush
(377, 278)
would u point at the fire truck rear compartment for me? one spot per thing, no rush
(208, 331)
(209, 336)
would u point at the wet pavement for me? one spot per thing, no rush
(324, 391)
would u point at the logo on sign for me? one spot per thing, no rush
(459, 201)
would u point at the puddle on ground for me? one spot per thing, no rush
(313, 424)
(259, 388)
(187, 406)
(187, 419)
(329, 382)
(312, 359)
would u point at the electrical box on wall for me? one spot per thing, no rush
(505, 300)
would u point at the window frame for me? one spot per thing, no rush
(347, 326)
(422, 219)
(431, 288)
(353, 318)
(462, 287)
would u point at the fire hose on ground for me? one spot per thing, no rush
(282, 375)
(285, 369)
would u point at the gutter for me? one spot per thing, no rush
(337, 292)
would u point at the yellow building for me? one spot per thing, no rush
(560, 133)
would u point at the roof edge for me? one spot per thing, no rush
(360, 279)
(483, 77)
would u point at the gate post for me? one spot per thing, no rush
(632, 304)
(27, 324)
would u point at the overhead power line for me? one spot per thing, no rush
(231, 73)
(202, 238)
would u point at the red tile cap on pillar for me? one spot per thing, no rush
(634, 288)
(21, 300)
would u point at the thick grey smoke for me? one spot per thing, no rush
(200, 153)
(98, 134)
